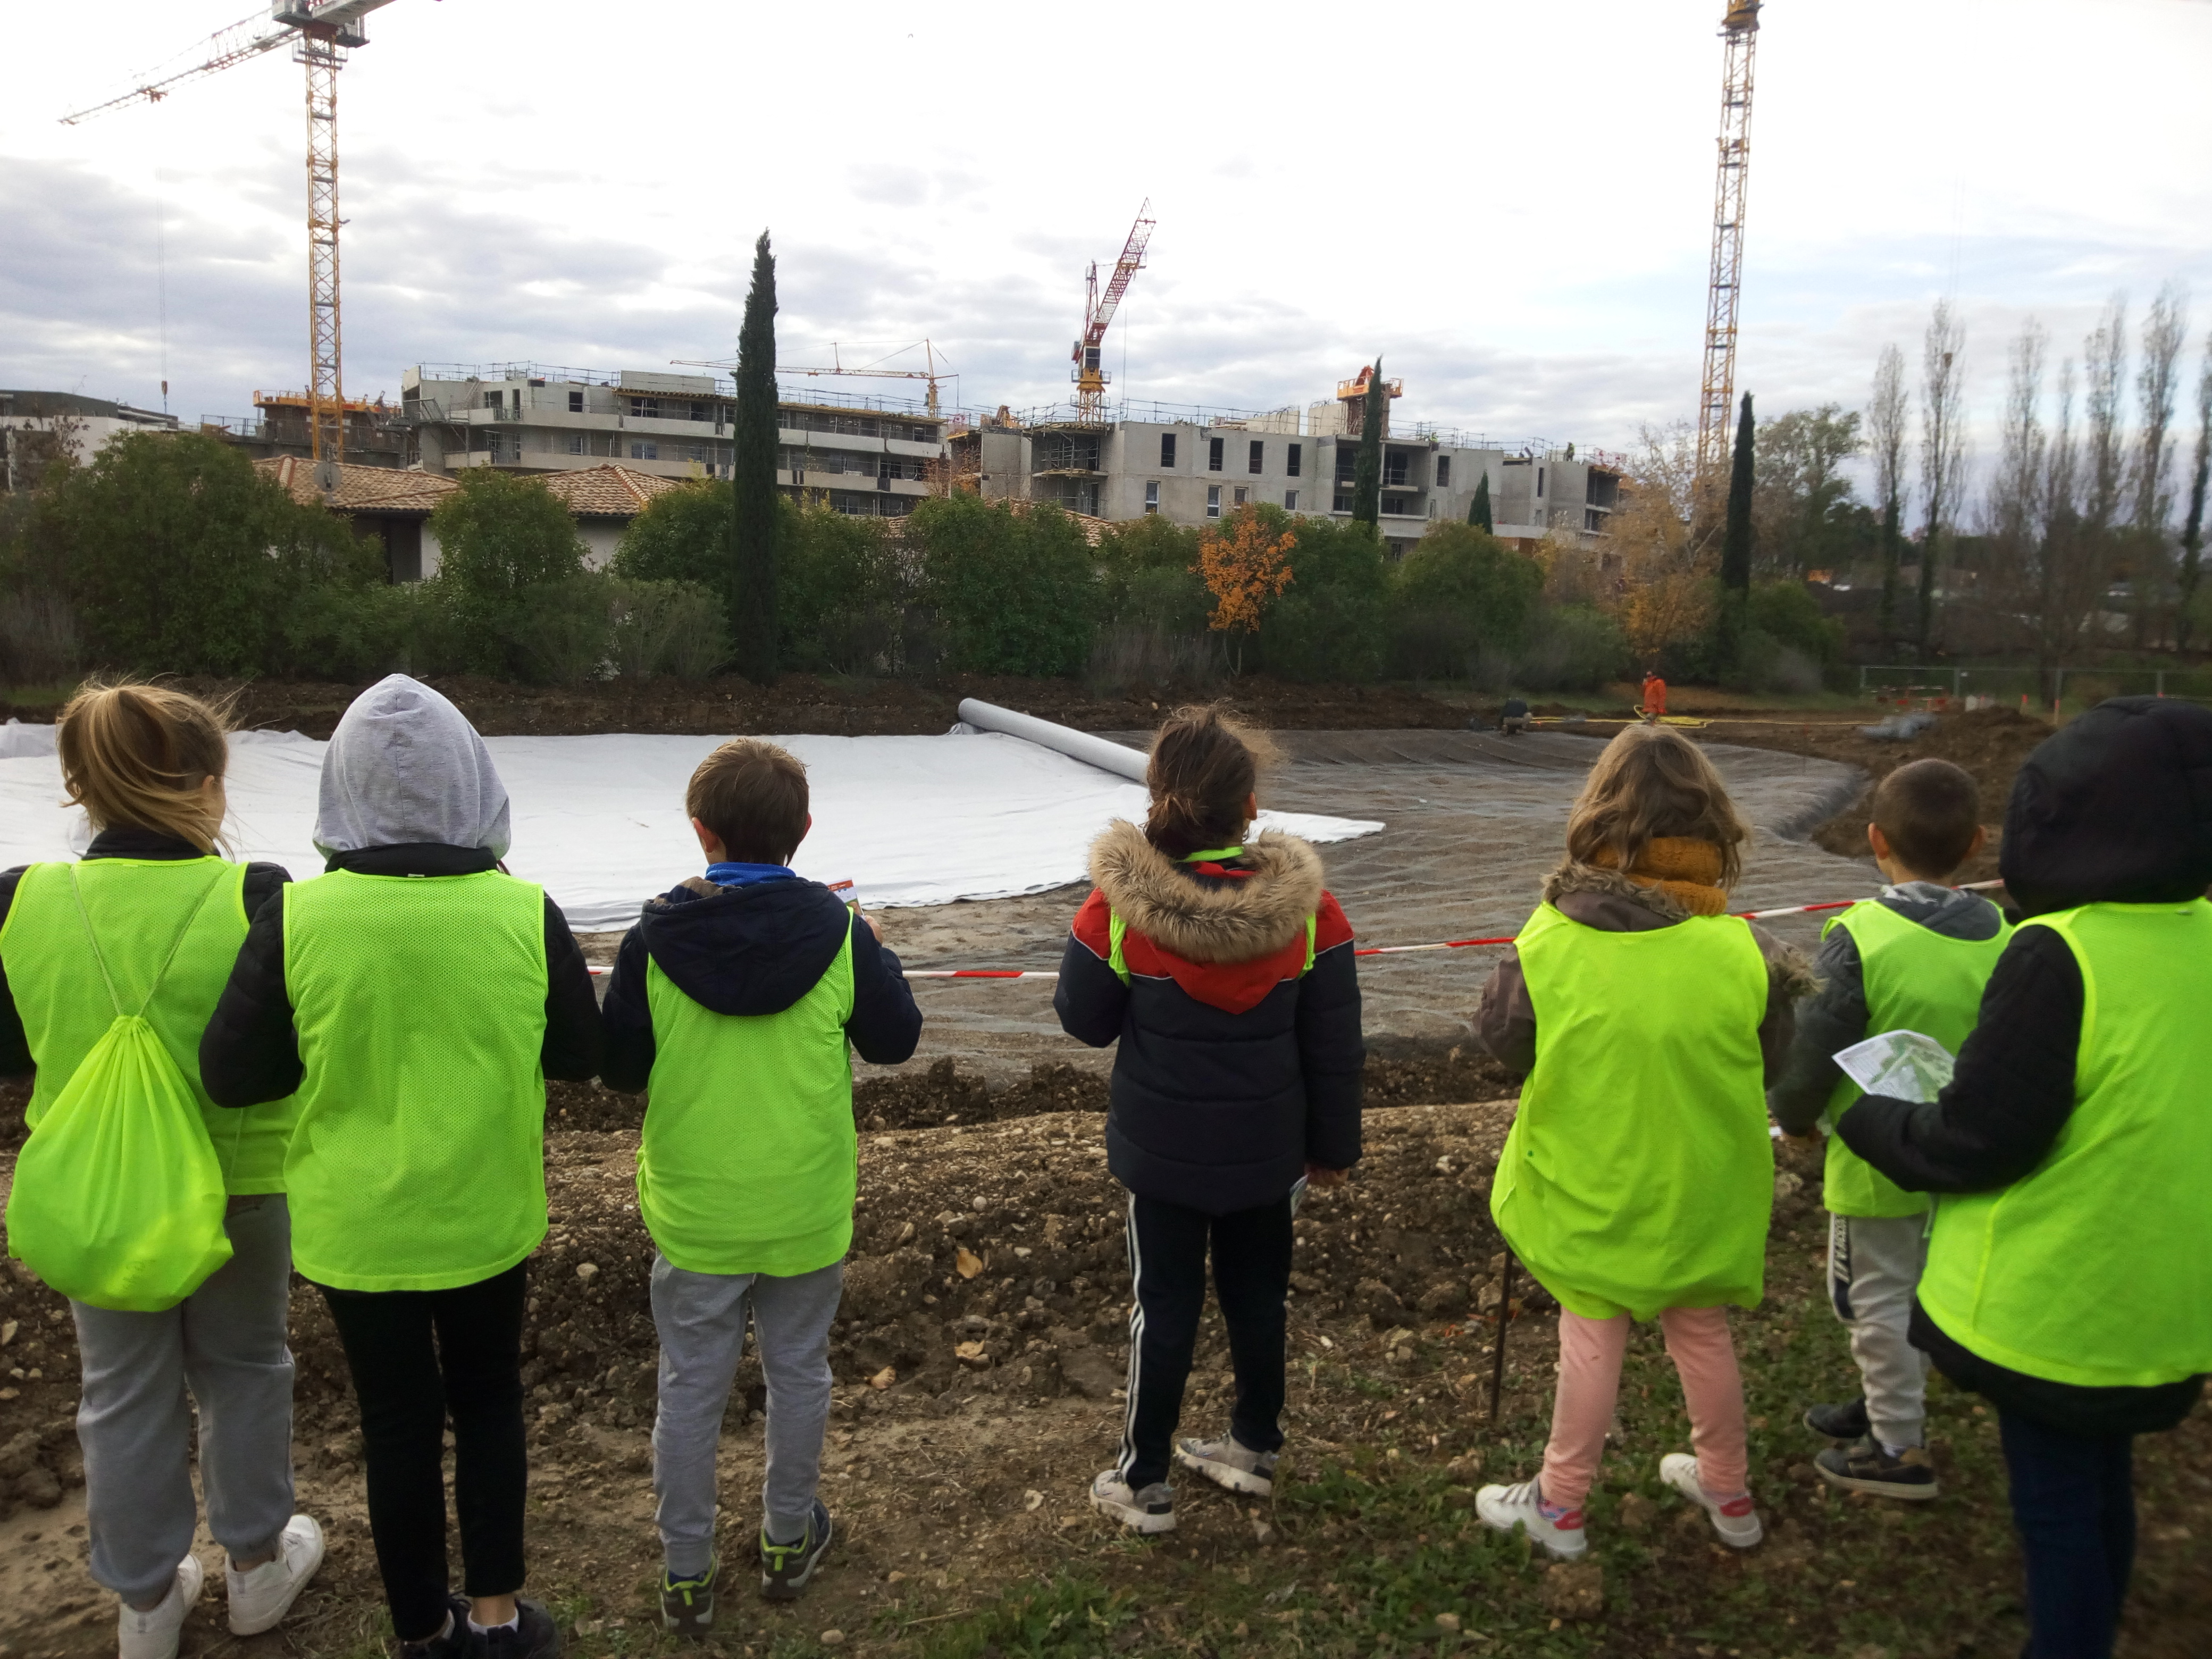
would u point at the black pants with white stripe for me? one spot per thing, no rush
(1251, 1278)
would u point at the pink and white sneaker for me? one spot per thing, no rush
(1734, 1518)
(1504, 1507)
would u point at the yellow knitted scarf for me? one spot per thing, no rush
(1686, 870)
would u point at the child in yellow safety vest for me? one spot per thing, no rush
(2067, 1279)
(1915, 959)
(416, 997)
(1638, 1177)
(148, 922)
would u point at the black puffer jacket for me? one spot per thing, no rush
(1239, 1064)
(2116, 808)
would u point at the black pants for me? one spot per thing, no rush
(417, 1358)
(1251, 1278)
(2074, 1501)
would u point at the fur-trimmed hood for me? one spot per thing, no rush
(1790, 966)
(1237, 921)
(1574, 878)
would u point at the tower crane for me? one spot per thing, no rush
(1097, 312)
(320, 34)
(1724, 292)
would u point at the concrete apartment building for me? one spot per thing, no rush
(1197, 468)
(35, 425)
(867, 456)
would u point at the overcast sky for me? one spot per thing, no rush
(1513, 202)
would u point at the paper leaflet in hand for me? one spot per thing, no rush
(1903, 1065)
(845, 890)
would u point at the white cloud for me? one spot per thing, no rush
(1511, 203)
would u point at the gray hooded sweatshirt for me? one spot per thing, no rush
(405, 768)
(408, 789)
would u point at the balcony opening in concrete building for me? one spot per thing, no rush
(1259, 457)
(1167, 450)
(1292, 463)
(1443, 472)
(576, 400)
(1067, 452)
(1214, 453)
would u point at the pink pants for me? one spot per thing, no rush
(1590, 1352)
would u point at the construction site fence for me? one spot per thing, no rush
(2010, 684)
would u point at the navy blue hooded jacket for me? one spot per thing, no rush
(752, 950)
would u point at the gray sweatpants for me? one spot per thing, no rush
(700, 1318)
(1874, 1264)
(225, 1343)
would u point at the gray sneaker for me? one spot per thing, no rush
(1149, 1510)
(786, 1569)
(687, 1605)
(1229, 1465)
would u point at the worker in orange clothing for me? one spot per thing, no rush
(1655, 696)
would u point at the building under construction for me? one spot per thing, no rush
(1194, 467)
(867, 456)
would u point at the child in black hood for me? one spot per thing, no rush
(2066, 1280)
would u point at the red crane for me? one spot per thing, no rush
(1097, 312)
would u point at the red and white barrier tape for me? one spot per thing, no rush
(1399, 950)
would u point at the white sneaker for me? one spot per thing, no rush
(260, 1598)
(1148, 1512)
(1736, 1521)
(154, 1634)
(1229, 1465)
(1504, 1507)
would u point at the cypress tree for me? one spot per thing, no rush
(1479, 514)
(1736, 545)
(1892, 551)
(752, 564)
(1367, 471)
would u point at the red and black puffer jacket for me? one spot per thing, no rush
(1230, 984)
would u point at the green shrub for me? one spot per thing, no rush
(1574, 648)
(683, 536)
(666, 627)
(1787, 613)
(175, 555)
(1459, 595)
(1014, 593)
(511, 567)
(1330, 622)
(842, 585)
(559, 632)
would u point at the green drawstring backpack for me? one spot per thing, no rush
(119, 1199)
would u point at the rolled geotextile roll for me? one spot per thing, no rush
(1113, 758)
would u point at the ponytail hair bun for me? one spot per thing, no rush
(1204, 766)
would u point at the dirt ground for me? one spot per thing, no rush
(977, 1357)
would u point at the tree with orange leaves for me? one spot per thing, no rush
(1243, 569)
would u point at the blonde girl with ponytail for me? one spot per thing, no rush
(153, 913)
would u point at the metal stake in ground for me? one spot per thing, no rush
(1498, 1360)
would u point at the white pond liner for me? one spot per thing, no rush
(600, 821)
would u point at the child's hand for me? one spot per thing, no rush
(874, 927)
(1317, 1177)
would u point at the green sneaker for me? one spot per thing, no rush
(785, 1568)
(687, 1605)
